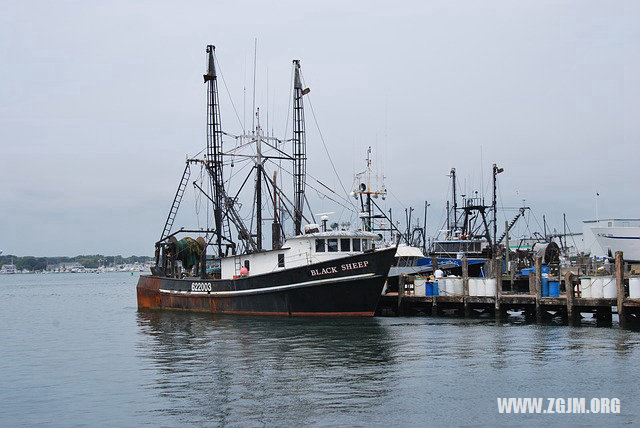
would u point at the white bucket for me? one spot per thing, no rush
(444, 286)
(473, 286)
(634, 288)
(419, 286)
(458, 287)
(585, 287)
(490, 289)
(609, 289)
(482, 286)
(596, 287)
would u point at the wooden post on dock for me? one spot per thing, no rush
(498, 274)
(620, 287)
(538, 282)
(507, 254)
(401, 281)
(434, 304)
(465, 286)
(568, 284)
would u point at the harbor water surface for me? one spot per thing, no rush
(74, 350)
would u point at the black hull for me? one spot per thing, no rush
(349, 286)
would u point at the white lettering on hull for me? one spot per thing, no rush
(343, 268)
(201, 286)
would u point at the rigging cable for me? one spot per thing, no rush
(224, 82)
(319, 191)
(327, 150)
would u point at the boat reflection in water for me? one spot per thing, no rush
(266, 370)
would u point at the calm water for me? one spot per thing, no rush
(74, 350)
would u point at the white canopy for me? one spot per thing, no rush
(408, 251)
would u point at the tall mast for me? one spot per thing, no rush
(455, 199)
(368, 191)
(448, 220)
(214, 144)
(258, 183)
(299, 148)
(276, 243)
(494, 204)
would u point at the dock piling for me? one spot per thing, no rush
(401, 282)
(620, 288)
(538, 286)
(498, 294)
(568, 285)
(465, 286)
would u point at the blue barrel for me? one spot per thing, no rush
(554, 288)
(435, 289)
(545, 287)
(429, 287)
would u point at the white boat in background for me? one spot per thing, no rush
(407, 261)
(8, 269)
(602, 238)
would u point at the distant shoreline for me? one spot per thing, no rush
(12, 264)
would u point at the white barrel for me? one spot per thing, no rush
(482, 287)
(473, 286)
(596, 287)
(609, 289)
(490, 287)
(419, 286)
(450, 288)
(444, 288)
(634, 288)
(458, 286)
(585, 287)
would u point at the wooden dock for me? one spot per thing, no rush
(533, 305)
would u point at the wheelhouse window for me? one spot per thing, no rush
(365, 244)
(356, 244)
(281, 260)
(345, 244)
(332, 245)
(320, 247)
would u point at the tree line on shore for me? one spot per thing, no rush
(89, 261)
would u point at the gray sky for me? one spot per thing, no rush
(100, 102)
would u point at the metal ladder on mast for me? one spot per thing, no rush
(176, 201)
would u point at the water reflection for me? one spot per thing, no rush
(229, 370)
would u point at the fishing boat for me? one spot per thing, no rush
(315, 270)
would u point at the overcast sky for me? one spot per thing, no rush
(100, 102)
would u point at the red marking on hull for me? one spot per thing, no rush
(260, 313)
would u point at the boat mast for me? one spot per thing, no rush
(494, 204)
(448, 219)
(299, 148)
(455, 199)
(223, 205)
(259, 168)
(214, 145)
(276, 243)
(366, 194)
